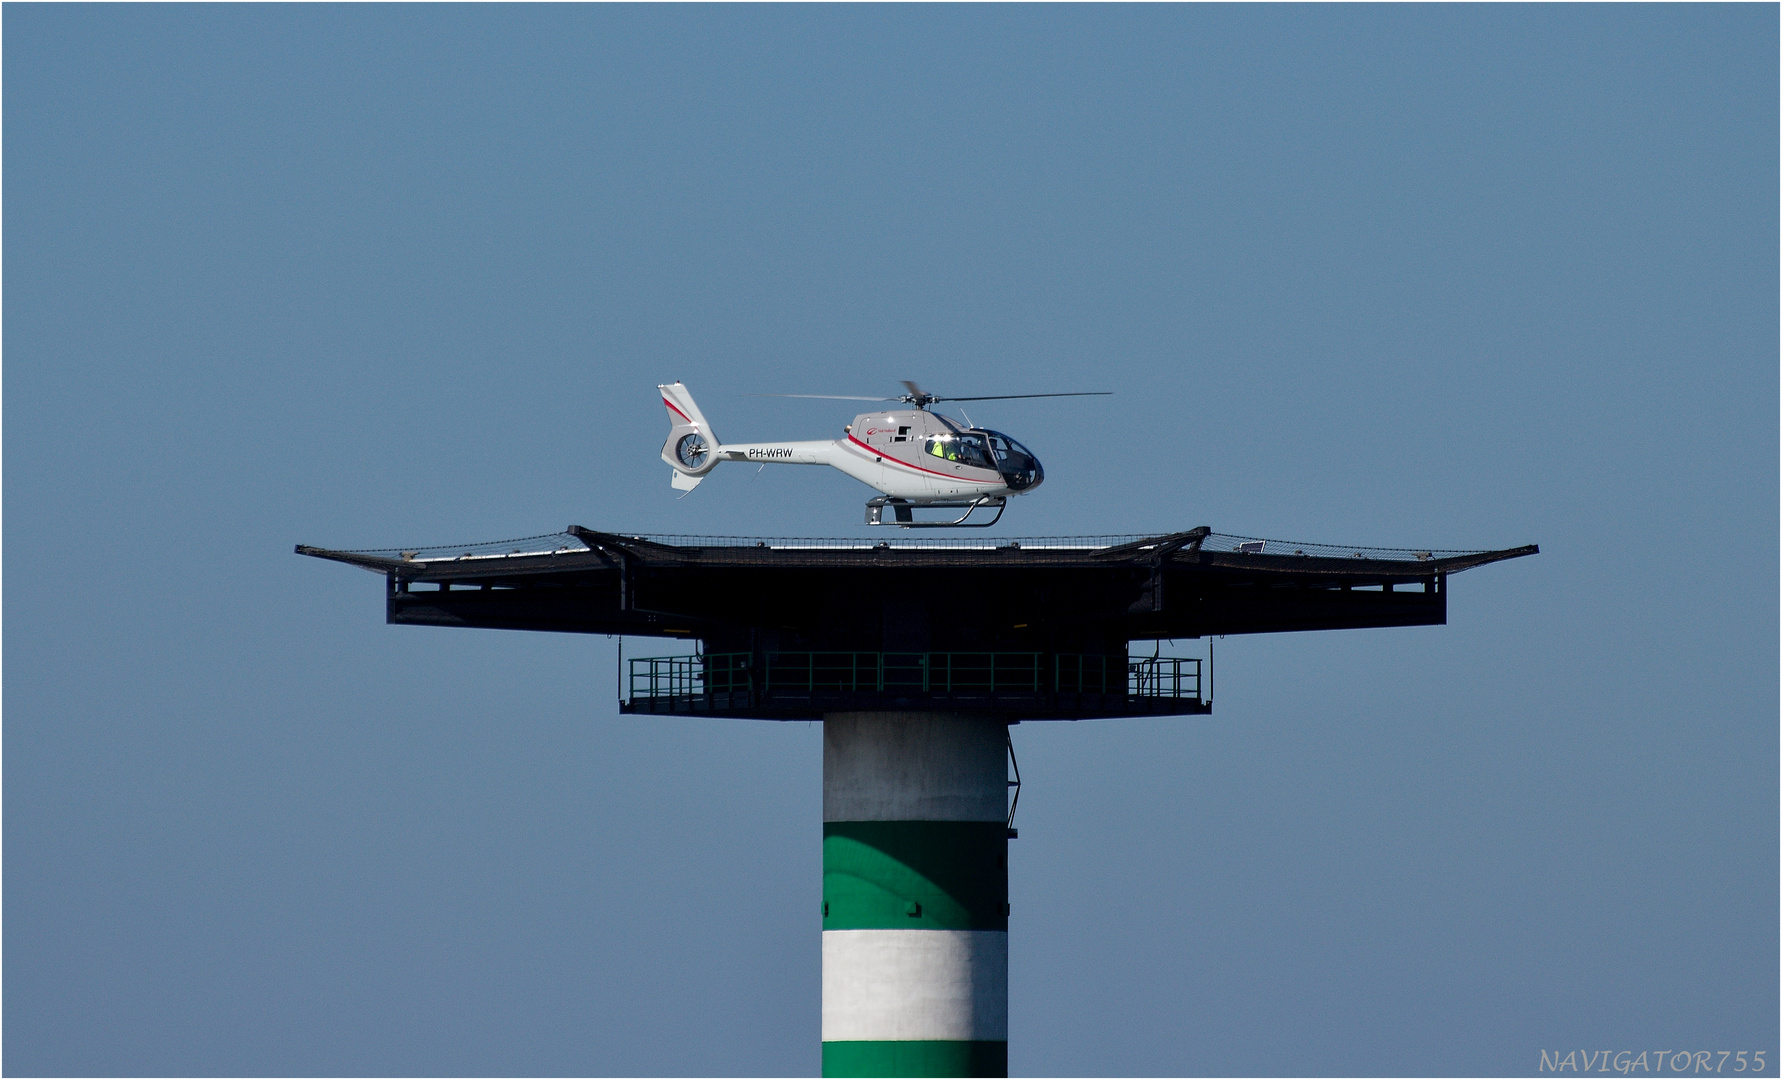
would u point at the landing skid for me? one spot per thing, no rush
(904, 518)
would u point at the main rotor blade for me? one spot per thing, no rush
(1006, 397)
(828, 397)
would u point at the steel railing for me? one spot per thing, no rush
(1163, 677)
(920, 672)
(928, 672)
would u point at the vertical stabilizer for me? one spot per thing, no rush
(691, 449)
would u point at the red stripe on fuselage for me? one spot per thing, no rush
(918, 468)
(676, 411)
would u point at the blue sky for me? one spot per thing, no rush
(364, 276)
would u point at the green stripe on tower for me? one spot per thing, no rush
(924, 1057)
(915, 875)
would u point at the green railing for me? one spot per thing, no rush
(1088, 673)
(808, 672)
(928, 672)
(916, 672)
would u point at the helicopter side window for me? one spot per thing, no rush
(964, 449)
(973, 452)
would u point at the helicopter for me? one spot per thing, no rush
(916, 458)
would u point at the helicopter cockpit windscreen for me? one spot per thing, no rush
(1020, 469)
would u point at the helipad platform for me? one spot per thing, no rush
(1030, 628)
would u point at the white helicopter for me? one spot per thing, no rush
(915, 457)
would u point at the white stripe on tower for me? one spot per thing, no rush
(915, 984)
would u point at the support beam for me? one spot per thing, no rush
(915, 895)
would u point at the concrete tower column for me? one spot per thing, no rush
(915, 895)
